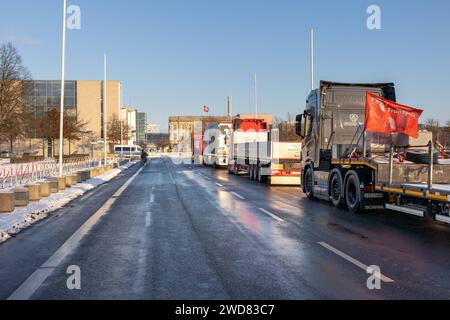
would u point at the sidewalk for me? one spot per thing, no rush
(23, 217)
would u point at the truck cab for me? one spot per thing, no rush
(333, 116)
(332, 125)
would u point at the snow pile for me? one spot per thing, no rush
(21, 218)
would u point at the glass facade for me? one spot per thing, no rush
(46, 95)
(141, 125)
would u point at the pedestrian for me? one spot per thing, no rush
(144, 157)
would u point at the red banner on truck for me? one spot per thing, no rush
(384, 116)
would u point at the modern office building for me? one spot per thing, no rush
(137, 123)
(153, 128)
(141, 127)
(84, 99)
(129, 116)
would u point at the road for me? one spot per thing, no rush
(179, 231)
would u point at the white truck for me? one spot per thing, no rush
(217, 144)
(256, 152)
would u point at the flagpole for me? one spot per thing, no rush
(312, 59)
(256, 97)
(120, 119)
(105, 110)
(63, 66)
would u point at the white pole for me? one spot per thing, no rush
(104, 110)
(230, 108)
(120, 119)
(256, 97)
(63, 67)
(312, 59)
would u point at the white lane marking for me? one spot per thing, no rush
(148, 219)
(203, 176)
(138, 286)
(152, 198)
(219, 185)
(353, 261)
(271, 214)
(238, 195)
(171, 176)
(32, 284)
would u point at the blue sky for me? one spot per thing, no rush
(174, 56)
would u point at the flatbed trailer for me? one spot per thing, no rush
(351, 173)
(256, 152)
(272, 162)
(397, 186)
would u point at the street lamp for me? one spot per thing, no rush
(63, 65)
(104, 110)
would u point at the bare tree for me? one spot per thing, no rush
(286, 128)
(74, 129)
(13, 93)
(432, 125)
(114, 130)
(48, 128)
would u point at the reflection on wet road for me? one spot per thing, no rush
(188, 232)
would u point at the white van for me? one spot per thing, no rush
(127, 150)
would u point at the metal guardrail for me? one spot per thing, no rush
(12, 175)
(430, 147)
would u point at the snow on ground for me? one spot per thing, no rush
(21, 218)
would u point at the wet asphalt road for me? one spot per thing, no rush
(189, 232)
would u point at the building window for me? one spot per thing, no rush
(46, 95)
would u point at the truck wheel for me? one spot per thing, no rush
(353, 193)
(336, 191)
(261, 178)
(308, 183)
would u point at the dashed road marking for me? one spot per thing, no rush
(270, 214)
(238, 195)
(352, 260)
(203, 176)
(219, 185)
(148, 219)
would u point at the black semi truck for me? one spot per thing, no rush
(363, 171)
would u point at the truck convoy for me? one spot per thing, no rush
(217, 144)
(256, 151)
(363, 171)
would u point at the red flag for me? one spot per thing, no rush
(385, 116)
(206, 109)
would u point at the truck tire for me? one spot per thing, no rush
(308, 183)
(353, 192)
(252, 172)
(261, 178)
(422, 156)
(337, 190)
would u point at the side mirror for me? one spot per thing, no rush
(298, 126)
